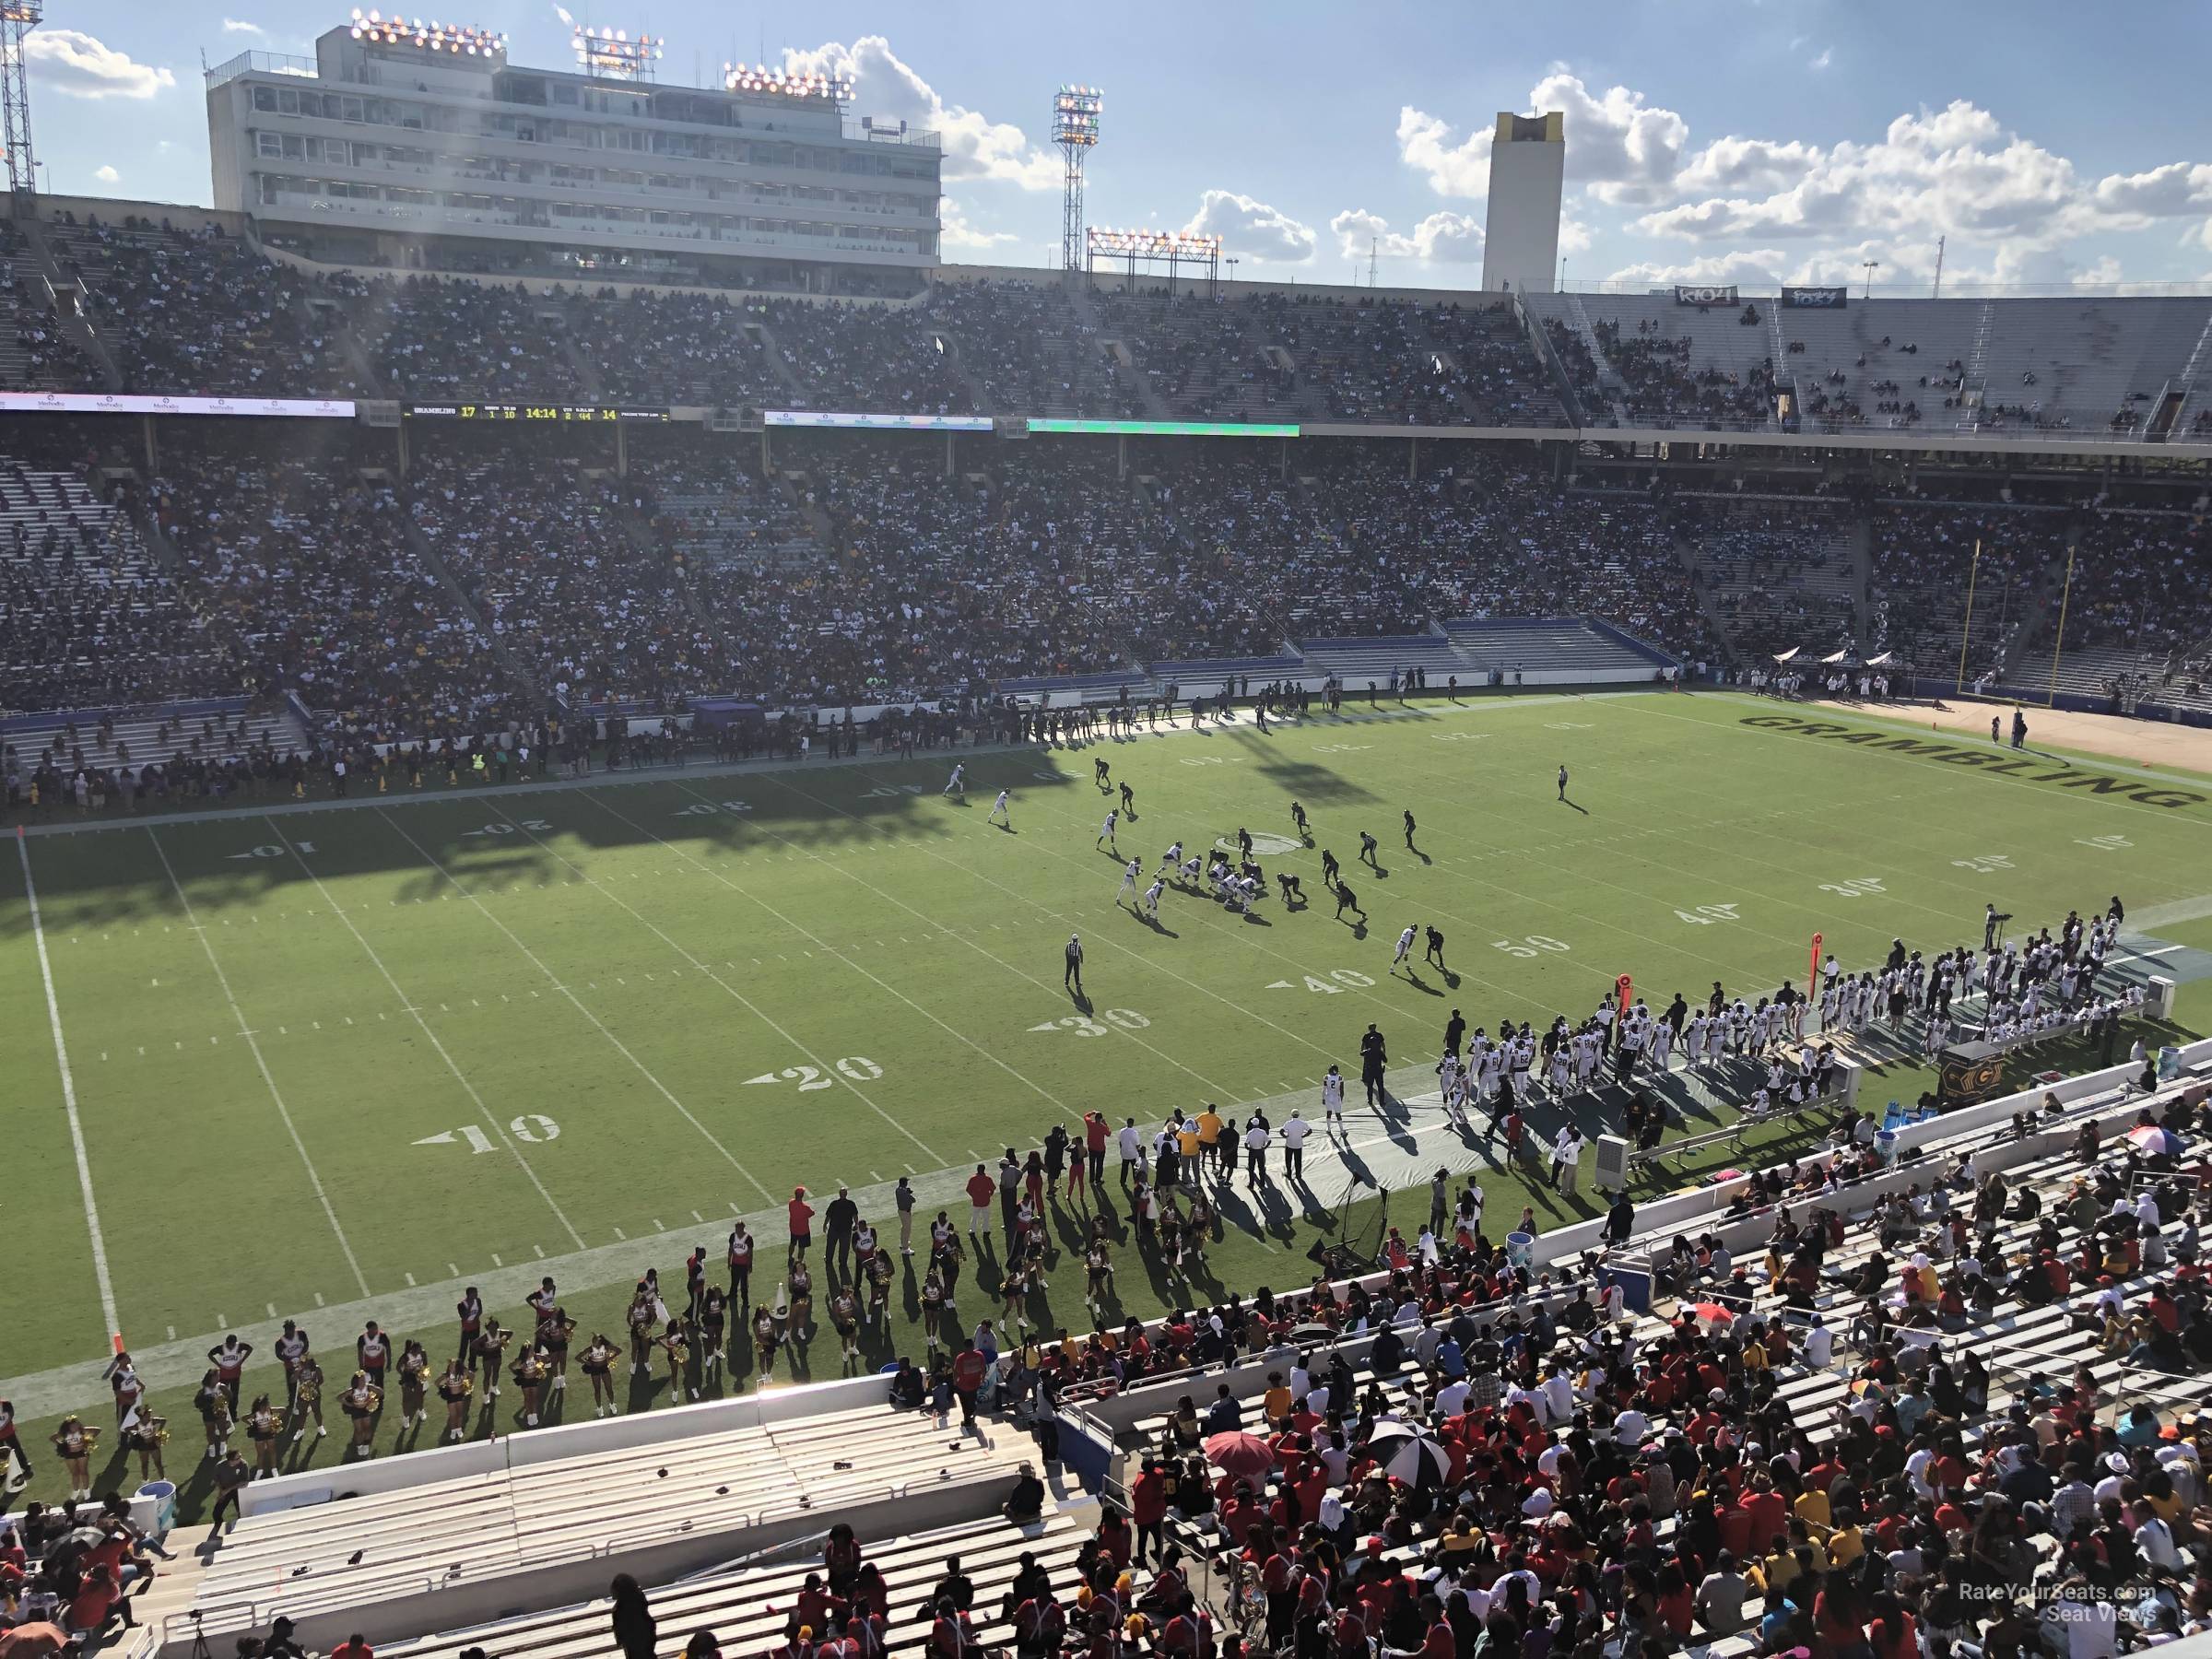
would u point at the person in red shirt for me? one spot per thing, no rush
(968, 1370)
(1768, 1514)
(1148, 1508)
(353, 1647)
(802, 1223)
(99, 1599)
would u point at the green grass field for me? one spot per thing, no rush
(332, 1064)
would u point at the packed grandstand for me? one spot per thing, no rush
(1927, 1393)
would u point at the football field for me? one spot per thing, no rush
(350, 1058)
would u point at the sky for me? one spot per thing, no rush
(1707, 140)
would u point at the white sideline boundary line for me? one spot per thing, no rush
(414, 1012)
(314, 1180)
(76, 1128)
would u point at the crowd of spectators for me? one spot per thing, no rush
(1776, 575)
(305, 568)
(197, 312)
(1666, 384)
(2140, 581)
(657, 350)
(1921, 560)
(589, 613)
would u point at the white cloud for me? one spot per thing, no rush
(956, 232)
(240, 26)
(1760, 268)
(107, 175)
(1821, 60)
(1575, 236)
(1743, 165)
(1461, 169)
(1620, 148)
(1253, 230)
(884, 84)
(1443, 237)
(75, 62)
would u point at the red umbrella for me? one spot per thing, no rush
(1244, 1455)
(1711, 1313)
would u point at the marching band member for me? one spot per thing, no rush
(598, 1361)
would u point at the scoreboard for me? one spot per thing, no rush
(572, 413)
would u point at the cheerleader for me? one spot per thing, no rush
(143, 1434)
(554, 1329)
(455, 1382)
(932, 1305)
(643, 1316)
(215, 1412)
(361, 1401)
(1167, 1230)
(880, 1272)
(844, 1319)
(1014, 1292)
(265, 1428)
(1097, 1267)
(307, 1400)
(490, 1345)
(764, 1341)
(801, 1293)
(598, 1361)
(1199, 1227)
(714, 1329)
(674, 1343)
(75, 1442)
(414, 1383)
(530, 1372)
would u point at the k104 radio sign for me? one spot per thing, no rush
(1704, 293)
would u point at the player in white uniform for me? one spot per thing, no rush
(957, 783)
(1404, 950)
(1106, 833)
(998, 810)
(1135, 868)
(1171, 857)
(1189, 872)
(1153, 896)
(1331, 1098)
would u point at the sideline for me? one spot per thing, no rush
(739, 768)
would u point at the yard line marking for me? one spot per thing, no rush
(452, 1271)
(541, 1251)
(497, 1263)
(318, 1299)
(314, 1181)
(410, 1278)
(272, 1307)
(699, 1219)
(621, 1234)
(221, 1323)
(459, 1075)
(658, 1225)
(76, 1131)
(172, 1333)
(738, 996)
(553, 979)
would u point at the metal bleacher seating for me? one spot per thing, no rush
(1559, 645)
(345, 1558)
(747, 1607)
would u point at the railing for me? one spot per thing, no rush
(260, 62)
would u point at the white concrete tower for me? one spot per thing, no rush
(1521, 229)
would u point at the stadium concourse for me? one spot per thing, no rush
(1895, 1397)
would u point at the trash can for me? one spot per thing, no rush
(1884, 1145)
(2170, 1064)
(154, 1507)
(1521, 1250)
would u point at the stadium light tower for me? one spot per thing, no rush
(1076, 111)
(18, 19)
